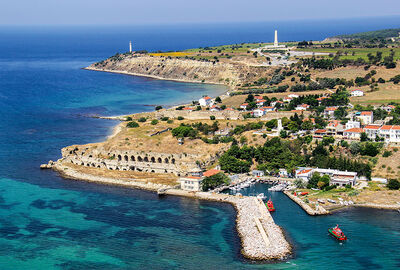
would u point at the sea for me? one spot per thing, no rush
(47, 102)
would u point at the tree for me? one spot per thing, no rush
(183, 131)
(393, 184)
(283, 134)
(132, 124)
(218, 100)
(212, 117)
(355, 148)
(313, 182)
(154, 122)
(214, 181)
(158, 108)
(364, 137)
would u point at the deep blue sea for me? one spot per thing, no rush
(47, 222)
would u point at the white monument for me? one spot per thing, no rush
(130, 46)
(280, 125)
(276, 39)
(276, 44)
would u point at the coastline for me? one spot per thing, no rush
(149, 76)
(261, 239)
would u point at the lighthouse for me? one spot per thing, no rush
(130, 46)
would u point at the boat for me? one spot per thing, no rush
(261, 196)
(337, 233)
(270, 206)
(304, 193)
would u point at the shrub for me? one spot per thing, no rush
(132, 124)
(158, 108)
(180, 118)
(170, 121)
(212, 117)
(393, 184)
(330, 187)
(386, 154)
(142, 119)
(154, 122)
(128, 118)
(164, 119)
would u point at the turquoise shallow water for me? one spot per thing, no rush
(47, 222)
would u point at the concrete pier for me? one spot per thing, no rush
(312, 212)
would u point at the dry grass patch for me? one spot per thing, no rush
(155, 178)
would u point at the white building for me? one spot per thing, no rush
(258, 112)
(244, 106)
(391, 134)
(366, 117)
(329, 112)
(293, 96)
(205, 101)
(352, 124)
(302, 107)
(357, 93)
(191, 183)
(353, 133)
(339, 178)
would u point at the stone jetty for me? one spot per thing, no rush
(261, 238)
(312, 212)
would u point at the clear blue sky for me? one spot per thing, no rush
(185, 11)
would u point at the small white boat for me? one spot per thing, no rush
(331, 201)
(261, 196)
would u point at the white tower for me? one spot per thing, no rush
(130, 46)
(276, 39)
(280, 125)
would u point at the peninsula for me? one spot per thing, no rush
(324, 116)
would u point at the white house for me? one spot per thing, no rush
(357, 93)
(330, 111)
(205, 101)
(244, 106)
(191, 183)
(302, 107)
(260, 102)
(304, 173)
(352, 124)
(372, 131)
(353, 133)
(258, 112)
(366, 117)
(268, 108)
(388, 108)
(391, 134)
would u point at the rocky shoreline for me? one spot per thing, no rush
(261, 238)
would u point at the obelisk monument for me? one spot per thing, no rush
(276, 39)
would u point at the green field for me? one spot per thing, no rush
(234, 48)
(358, 52)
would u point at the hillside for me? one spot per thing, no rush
(379, 34)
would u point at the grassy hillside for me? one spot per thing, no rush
(386, 33)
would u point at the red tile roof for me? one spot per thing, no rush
(386, 127)
(331, 108)
(206, 98)
(396, 127)
(372, 127)
(366, 113)
(194, 177)
(211, 172)
(305, 171)
(354, 130)
(320, 131)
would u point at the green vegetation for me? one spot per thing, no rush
(393, 184)
(154, 122)
(158, 108)
(132, 124)
(184, 131)
(379, 34)
(214, 181)
(142, 119)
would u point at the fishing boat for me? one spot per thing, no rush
(337, 233)
(270, 206)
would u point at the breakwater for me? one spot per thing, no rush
(261, 238)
